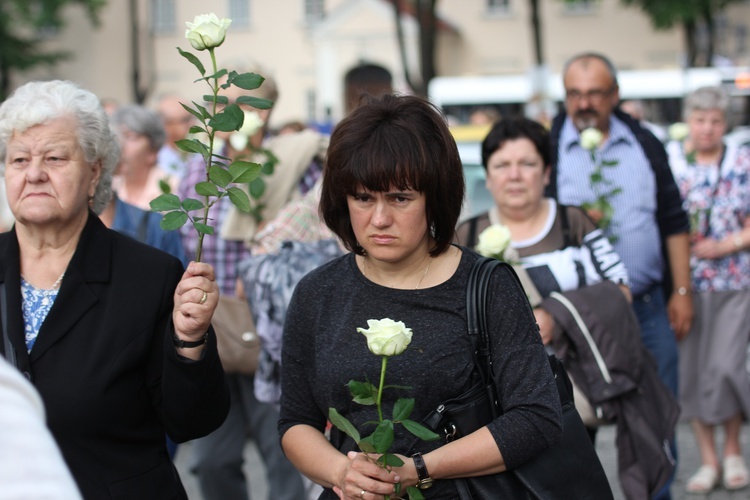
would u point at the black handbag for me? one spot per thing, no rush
(569, 470)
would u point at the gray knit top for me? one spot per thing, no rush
(322, 351)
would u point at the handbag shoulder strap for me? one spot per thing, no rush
(476, 313)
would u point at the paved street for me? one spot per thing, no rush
(689, 462)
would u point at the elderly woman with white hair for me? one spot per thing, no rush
(113, 334)
(714, 180)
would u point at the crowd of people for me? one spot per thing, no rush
(357, 226)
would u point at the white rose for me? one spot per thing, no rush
(591, 139)
(493, 241)
(678, 131)
(207, 31)
(386, 337)
(250, 125)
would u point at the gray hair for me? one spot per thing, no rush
(592, 55)
(36, 103)
(704, 99)
(142, 121)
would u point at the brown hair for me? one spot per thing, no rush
(394, 141)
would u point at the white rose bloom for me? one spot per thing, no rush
(493, 241)
(678, 131)
(386, 337)
(591, 139)
(207, 31)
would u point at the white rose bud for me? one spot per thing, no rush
(207, 31)
(386, 337)
(591, 139)
(493, 241)
(678, 131)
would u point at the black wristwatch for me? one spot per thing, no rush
(178, 342)
(425, 481)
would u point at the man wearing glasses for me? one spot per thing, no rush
(649, 227)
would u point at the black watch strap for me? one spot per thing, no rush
(425, 481)
(178, 342)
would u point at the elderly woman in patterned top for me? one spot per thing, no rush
(114, 334)
(714, 180)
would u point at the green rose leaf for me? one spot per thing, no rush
(190, 204)
(165, 203)
(229, 120)
(239, 198)
(414, 493)
(609, 163)
(216, 75)
(257, 188)
(402, 409)
(220, 99)
(596, 177)
(389, 460)
(366, 445)
(193, 60)
(197, 130)
(244, 171)
(255, 102)
(193, 112)
(164, 186)
(206, 188)
(192, 146)
(420, 430)
(203, 228)
(382, 438)
(247, 81)
(364, 393)
(219, 176)
(342, 423)
(173, 220)
(205, 114)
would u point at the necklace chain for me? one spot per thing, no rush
(419, 283)
(55, 285)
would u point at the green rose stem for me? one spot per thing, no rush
(209, 158)
(380, 389)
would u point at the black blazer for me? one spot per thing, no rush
(107, 371)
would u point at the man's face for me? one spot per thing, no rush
(590, 94)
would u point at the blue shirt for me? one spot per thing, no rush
(143, 226)
(634, 221)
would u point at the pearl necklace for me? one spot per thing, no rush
(426, 269)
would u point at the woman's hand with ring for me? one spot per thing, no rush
(195, 300)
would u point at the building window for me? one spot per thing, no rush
(498, 6)
(163, 16)
(314, 10)
(239, 13)
(580, 6)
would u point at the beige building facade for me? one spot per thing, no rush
(308, 45)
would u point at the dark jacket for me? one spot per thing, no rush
(106, 369)
(670, 216)
(622, 382)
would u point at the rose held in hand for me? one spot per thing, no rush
(386, 337)
(207, 31)
(591, 139)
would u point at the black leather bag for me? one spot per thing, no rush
(568, 470)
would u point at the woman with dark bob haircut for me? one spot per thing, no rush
(392, 190)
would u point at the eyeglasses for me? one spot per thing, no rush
(595, 95)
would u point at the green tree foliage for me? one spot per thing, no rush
(689, 14)
(23, 24)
